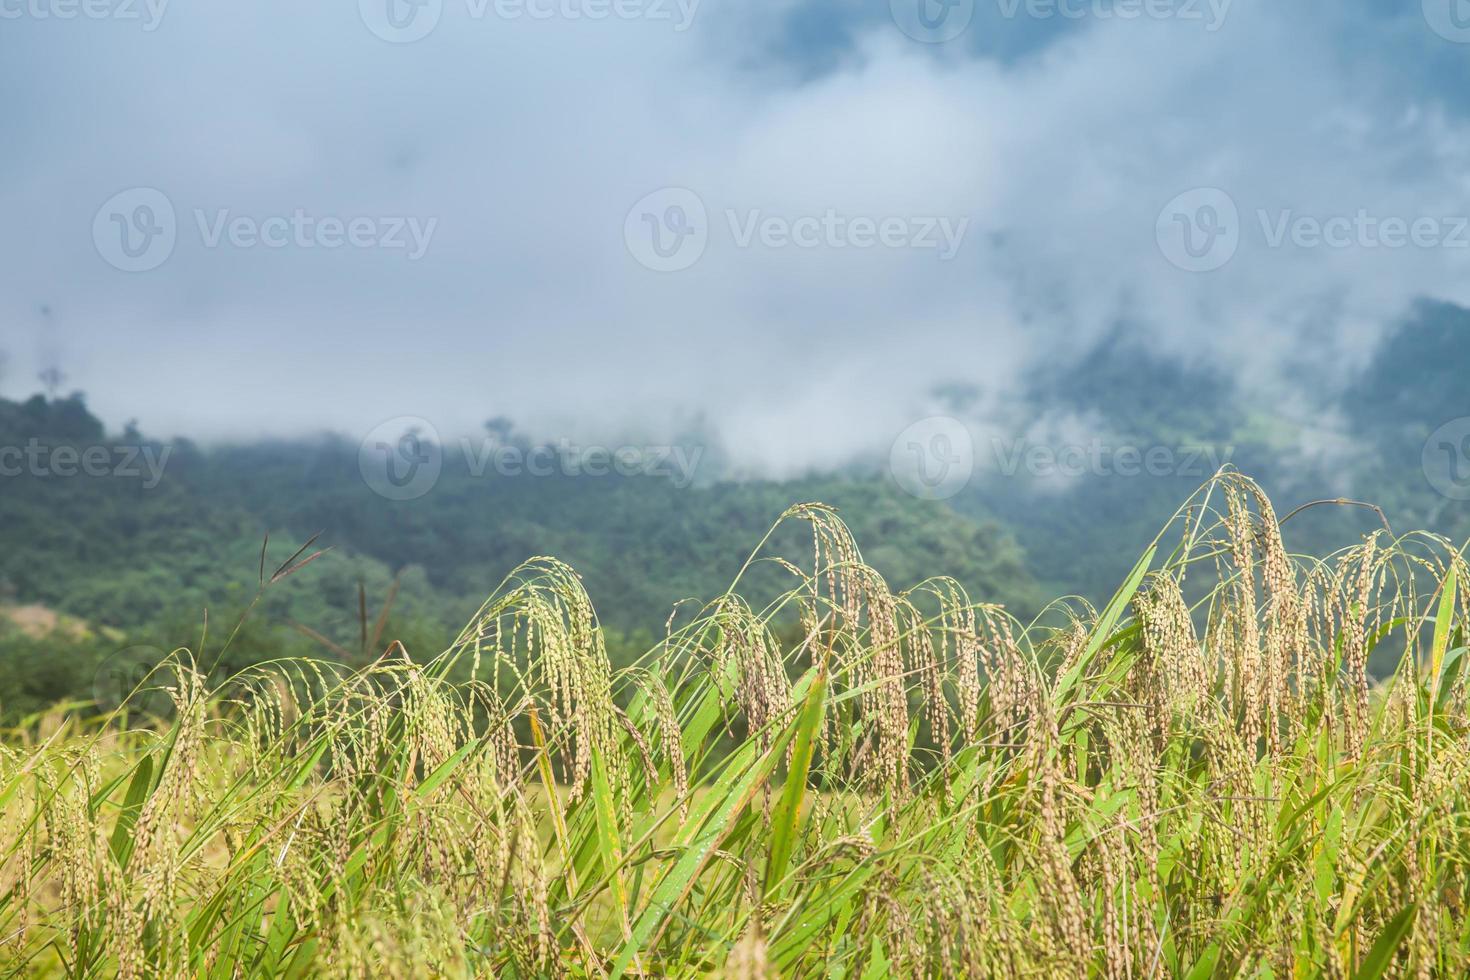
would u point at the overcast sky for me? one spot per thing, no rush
(279, 217)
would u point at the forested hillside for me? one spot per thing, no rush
(1397, 435)
(172, 529)
(166, 530)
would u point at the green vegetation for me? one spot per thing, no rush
(149, 566)
(1360, 434)
(143, 563)
(1199, 779)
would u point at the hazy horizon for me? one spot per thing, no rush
(365, 228)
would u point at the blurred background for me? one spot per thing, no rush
(441, 285)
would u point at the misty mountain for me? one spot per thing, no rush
(1069, 482)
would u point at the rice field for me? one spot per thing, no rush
(1199, 779)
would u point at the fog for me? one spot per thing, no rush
(343, 228)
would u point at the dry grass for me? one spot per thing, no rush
(1200, 779)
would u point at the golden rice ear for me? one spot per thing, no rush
(1087, 794)
(1172, 673)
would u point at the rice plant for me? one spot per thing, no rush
(1201, 778)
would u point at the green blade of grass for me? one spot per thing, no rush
(1381, 954)
(786, 820)
(1105, 623)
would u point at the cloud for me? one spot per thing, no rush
(530, 140)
